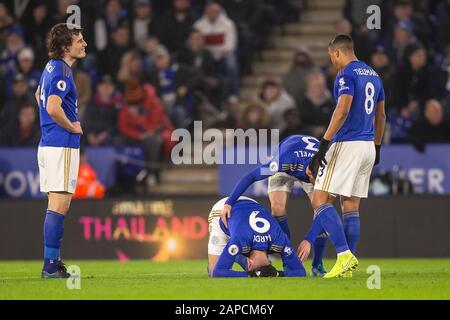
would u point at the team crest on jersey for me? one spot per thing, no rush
(61, 85)
(233, 250)
(341, 82)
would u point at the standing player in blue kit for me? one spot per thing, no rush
(59, 148)
(348, 151)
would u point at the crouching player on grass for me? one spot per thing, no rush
(248, 237)
(59, 148)
(291, 163)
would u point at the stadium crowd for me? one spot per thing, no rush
(157, 65)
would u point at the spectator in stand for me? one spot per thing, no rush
(175, 26)
(417, 81)
(277, 102)
(432, 127)
(22, 131)
(112, 20)
(143, 121)
(253, 116)
(8, 54)
(60, 15)
(220, 36)
(254, 20)
(84, 90)
(151, 45)
(317, 107)
(131, 66)
(361, 37)
(21, 96)
(25, 63)
(36, 27)
(101, 115)
(379, 61)
(403, 37)
(355, 11)
(330, 72)
(174, 83)
(6, 20)
(401, 122)
(295, 80)
(403, 12)
(442, 14)
(201, 60)
(144, 22)
(445, 67)
(109, 58)
(293, 124)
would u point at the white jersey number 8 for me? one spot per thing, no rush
(253, 219)
(369, 103)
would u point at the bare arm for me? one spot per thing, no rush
(56, 112)
(339, 116)
(380, 122)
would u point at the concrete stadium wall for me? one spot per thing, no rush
(162, 229)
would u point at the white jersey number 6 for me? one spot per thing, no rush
(253, 219)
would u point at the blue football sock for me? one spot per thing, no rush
(351, 229)
(319, 248)
(283, 222)
(242, 261)
(331, 223)
(53, 232)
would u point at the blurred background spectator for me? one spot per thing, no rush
(277, 102)
(317, 106)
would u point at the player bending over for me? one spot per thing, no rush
(290, 164)
(59, 148)
(250, 232)
(355, 148)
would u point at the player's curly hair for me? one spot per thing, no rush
(60, 38)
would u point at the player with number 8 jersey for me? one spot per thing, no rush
(348, 151)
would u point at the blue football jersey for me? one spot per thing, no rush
(363, 83)
(294, 154)
(57, 79)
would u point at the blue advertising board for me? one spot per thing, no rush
(429, 172)
(19, 172)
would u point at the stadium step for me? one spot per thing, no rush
(187, 175)
(311, 41)
(197, 189)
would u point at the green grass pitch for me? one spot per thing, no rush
(400, 279)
